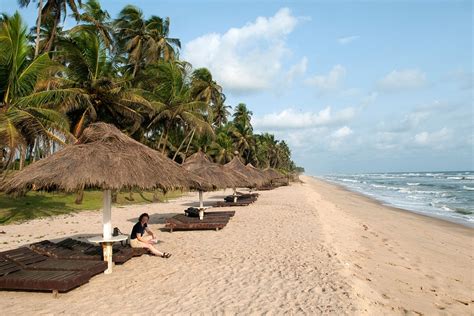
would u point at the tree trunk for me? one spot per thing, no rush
(159, 141)
(22, 156)
(181, 145)
(114, 196)
(79, 196)
(155, 197)
(38, 28)
(165, 142)
(135, 70)
(190, 140)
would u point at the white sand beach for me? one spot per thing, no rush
(310, 248)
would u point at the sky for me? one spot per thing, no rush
(351, 86)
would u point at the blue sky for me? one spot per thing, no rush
(352, 86)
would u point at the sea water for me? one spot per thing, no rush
(446, 195)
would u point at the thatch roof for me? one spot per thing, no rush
(213, 173)
(273, 174)
(237, 166)
(258, 173)
(104, 158)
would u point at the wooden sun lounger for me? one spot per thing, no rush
(207, 213)
(12, 277)
(121, 252)
(78, 250)
(183, 222)
(230, 204)
(244, 195)
(27, 259)
(220, 213)
(246, 199)
(266, 188)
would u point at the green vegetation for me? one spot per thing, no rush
(125, 71)
(41, 204)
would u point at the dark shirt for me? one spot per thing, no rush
(138, 229)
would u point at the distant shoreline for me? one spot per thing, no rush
(395, 208)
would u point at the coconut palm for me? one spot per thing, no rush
(55, 11)
(242, 117)
(25, 3)
(222, 149)
(92, 88)
(220, 114)
(174, 104)
(95, 19)
(144, 40)
(22, 123)
(205, 88)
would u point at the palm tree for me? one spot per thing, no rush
(55, 11)
(22, 122)
(220, 113)
(25, 3)
(174, 105)
(242, 117)
(222, 149)
(205, 88)
(92, 89)
(144, 40)
(95, 19)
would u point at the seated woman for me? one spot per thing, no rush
(138, 240)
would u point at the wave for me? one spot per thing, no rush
(454, 178)
(468, 188)
(350, 180)
(413, 183)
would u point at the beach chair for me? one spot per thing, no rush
(78, 250)
(27, 259)
(12, 277)
(182, 222)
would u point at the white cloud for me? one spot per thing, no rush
(347, 39)
(297, 70)
(329, 82)
(338, 137)
(291, 119)
(404, 79)
(247, 58)
(435, 139)
(343, 132)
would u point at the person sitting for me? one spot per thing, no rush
(139, 240)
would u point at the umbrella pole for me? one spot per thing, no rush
(201, 206)
(107, 230)
(235, 195)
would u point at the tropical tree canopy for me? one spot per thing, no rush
(126, 71)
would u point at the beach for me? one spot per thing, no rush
(308, 248)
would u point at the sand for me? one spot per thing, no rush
(309, 248)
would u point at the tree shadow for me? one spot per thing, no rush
(31, 207)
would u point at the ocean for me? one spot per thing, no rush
(445, 195)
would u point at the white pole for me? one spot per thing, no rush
(201, 206)
(235, 195)
(107, 233)
(107, 215)
(201, 203)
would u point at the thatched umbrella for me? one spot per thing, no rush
(104, 158)
(274, 175)
(213, 173)
(237, 166)
(258, 174)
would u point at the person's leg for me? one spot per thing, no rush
(147, 237)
